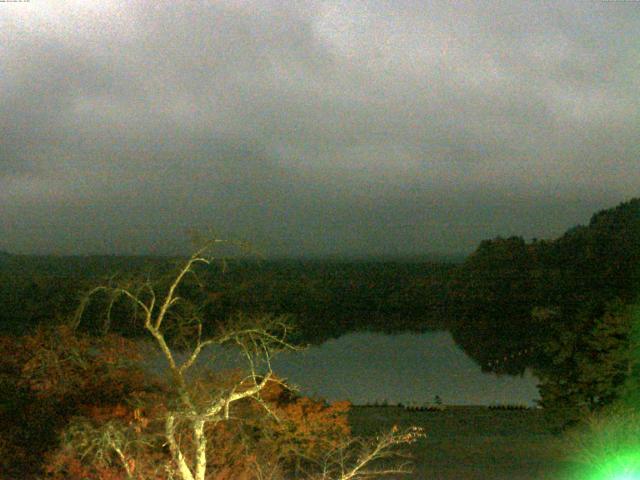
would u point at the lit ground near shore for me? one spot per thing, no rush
(473, 443)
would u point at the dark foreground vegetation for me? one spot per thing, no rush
(75, 407)
(566, 308)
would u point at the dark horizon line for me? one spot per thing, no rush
(355, 257)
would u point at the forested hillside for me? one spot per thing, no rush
(565, 307)
(324, 298)
(503, 297)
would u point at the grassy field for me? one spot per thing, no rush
(472, 443)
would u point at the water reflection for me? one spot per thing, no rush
(367, 367)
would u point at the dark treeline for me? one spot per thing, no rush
(567, 308)
(324, 298)
(509, 294)
(333, 298)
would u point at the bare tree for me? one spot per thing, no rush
(358, 458)
(257, 339)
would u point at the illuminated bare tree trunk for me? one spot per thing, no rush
(257, 340)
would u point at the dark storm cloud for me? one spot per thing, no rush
(313, 127)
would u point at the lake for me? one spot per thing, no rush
(370, 367)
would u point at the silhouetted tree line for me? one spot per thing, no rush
(564, 307)
(325, 298)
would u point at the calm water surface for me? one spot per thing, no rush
(373, 367)
(368, 367)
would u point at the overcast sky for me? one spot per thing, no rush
(313, 127)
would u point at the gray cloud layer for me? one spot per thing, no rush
(313, 127)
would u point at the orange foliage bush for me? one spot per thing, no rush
(300, 428)
(296, 432)
(52, 375)
(79, 393)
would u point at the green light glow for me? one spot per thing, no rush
(611, 448)
(622, 466)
